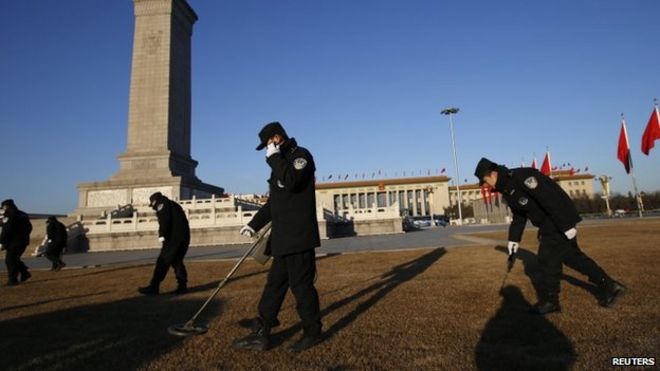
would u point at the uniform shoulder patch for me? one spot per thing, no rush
(531, 182)
(299, 163)
(523, 201)
(159, 207)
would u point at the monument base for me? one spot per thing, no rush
(95, 198)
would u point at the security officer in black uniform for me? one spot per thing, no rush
(291, 208)
(174, 235)
(57, 239)
(534, 196)
(15, 238)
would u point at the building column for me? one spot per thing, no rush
(414, 202)
(423, 201)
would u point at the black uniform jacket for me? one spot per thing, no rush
(56, 232)
(16, 228)
(534, 196)
(172, 222)
(291, 205)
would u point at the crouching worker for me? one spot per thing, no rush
(174, 235)
(57, 239)
(291, 208)
(534, 196)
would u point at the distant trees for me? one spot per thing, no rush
(617, 201)
(467, 211)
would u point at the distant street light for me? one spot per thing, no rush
(451, 111)
(605, 184)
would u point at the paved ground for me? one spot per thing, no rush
(434, 237)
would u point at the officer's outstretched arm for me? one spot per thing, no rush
(517, 226)
(50, 231)
(551, 198)
(261, 218)
(164, 221)
(8, 227)
(292, 173)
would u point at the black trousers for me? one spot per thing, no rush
(14, 263)
(554, 251)
(54, 253)
(297, 272)
(171, 255)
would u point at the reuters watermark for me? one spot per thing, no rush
(633, 361)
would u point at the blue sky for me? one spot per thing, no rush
(358, 82)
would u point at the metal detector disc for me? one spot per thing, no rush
(187, 329)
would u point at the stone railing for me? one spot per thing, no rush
(202, 217)
(373, 213)
(209, 203)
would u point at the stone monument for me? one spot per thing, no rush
(157, 156)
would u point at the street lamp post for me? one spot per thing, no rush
(605, 184)
(451, 111)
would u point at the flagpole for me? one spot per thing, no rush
(632, 176)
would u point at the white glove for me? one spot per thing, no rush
(247, 231)
(571, 233)
(50, 241)
(513, 247)
(161, 239)
(272, 149)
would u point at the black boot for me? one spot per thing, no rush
(25, 275)
(59, 266)
(545, 307)
(148, 290)
(259, 339)
(611, 291)
(181, 289)
(305, 342)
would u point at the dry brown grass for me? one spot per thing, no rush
(423, 309)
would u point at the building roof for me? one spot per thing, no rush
(382, 182)
(566, 175)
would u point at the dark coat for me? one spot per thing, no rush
(173, 224)
(534, 196)
(16, 228)
(56, 232)
(291, 205)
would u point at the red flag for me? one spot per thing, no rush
(534, 164)
(545, 167)
(623, 151)
(652, 132)
(571, 172)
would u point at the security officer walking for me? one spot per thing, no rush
(534, 196)
(57, 239)
(15, 238)
(174, 235)
(291, 208)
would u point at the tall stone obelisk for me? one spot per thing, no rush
(157, 156)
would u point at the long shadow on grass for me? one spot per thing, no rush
(533, 271)
(390, 281)
(121, 335)
(264, 271)
(42, 302)
(517, 340)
